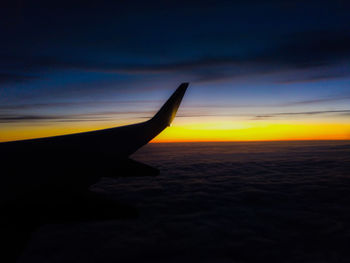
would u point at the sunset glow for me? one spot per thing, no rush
(256, 132)
(249, 79)
(206, 131)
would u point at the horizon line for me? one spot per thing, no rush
(285, 140)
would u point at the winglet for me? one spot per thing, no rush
(167, 112)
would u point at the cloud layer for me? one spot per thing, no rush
(236, 202)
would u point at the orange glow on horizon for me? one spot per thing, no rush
(256, 131)
(199, 132)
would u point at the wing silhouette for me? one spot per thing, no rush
(47, 180)
(121, 141)
(76, 161)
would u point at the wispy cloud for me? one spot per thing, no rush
(317, 100)
(303, 113)
(6, 78)
(298, 51)
(314, 77)
(75, 104)
(95, 116)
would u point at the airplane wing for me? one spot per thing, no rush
(121, 141)
(78, 160)
(47, 180)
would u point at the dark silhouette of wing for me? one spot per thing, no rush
(78, 160)
(46, 180)
(121, 141)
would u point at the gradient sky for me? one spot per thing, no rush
(259, 70)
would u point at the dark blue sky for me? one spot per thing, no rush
(64, 61)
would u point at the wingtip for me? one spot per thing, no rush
(184, 84)
(168, 111)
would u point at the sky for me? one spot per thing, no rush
(258, 70)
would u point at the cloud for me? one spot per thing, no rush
(304, 50)
(23, 118)
(218, 202)
(317, 101)
(304, 113)
(93, 116)
(265, 116)
(97, 103)
(6, 78)
(314, 77)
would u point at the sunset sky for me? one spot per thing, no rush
(278, 70)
